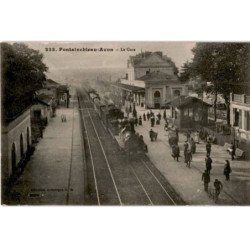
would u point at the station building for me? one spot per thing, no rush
(156, 76)
(240, 115)
(16, 141)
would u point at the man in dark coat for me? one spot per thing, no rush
(152, 121)
(176, 152)
(227, 170)
(144, 117)
(185, 149)
(164, 114)
(193, 145)
(218, 187)
(140, 120)
(208, 148)
(208, 161)
(206, 179)
(188, 158)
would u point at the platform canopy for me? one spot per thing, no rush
(184, 101)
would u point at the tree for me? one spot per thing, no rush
(221, 64)
(186, 72)
(23, 72)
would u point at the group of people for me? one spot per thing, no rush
(189, 147)
(218, 186)
(154, 119)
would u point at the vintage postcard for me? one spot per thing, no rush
(125, 123)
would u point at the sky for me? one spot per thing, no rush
(180, 52)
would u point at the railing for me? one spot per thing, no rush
(237, 98)
(247, 99)
(241, 98)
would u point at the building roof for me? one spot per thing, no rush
(183, 101)
(129, 87)
(45, 99)
(153, 59)
(159, 76)
(50, 84)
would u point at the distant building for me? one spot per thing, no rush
(157, 75)
(240, 115)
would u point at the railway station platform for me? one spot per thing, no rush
(187, 181)
(54, 174)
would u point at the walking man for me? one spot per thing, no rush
(176, 152)
(140, 121)
(144, 117)
(208, 161)
(152, 121)
(188, 158)
(206, 179)
(218, 187)
(233, 150)
(193, 145)
(208, 148)
(227, 170)
(185, 149)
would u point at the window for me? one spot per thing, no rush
(247, 120)
(177, 92)
(236, 117)
(157, 94)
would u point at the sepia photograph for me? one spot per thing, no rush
(125, 123)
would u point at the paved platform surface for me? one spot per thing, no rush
(54, 175)
(187, 181)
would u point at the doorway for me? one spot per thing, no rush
(157, 99)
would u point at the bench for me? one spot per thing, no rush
(239, 154)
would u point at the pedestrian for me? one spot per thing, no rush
(185, 149)
(206, 179)
(188, 158)
(144, 117)
(197, 137)
(136, 121)
(159, 116)
(208, 161)
(193, 146)
(176, 152)
(158, 121)
(151, 134)
(208, 148)
(177, 134)
(152, 121)
(140, 121)
(166, 126)
(148, 115)
(164, 114)
(232, 150)
(188, 135)
(227, 170)
(218, 187)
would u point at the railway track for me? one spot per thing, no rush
(112, 177)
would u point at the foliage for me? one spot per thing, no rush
(186, 72)
(220, 64)
(23, 72)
